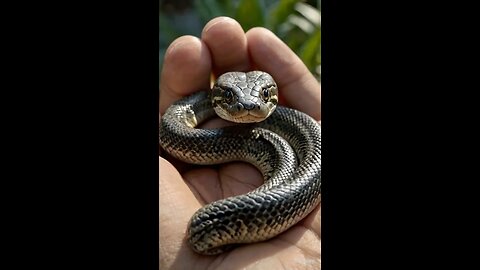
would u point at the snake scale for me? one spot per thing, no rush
(285, 147)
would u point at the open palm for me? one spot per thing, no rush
(189, 61)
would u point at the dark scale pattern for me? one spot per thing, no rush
(286, 148)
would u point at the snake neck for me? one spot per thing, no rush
(192, 110)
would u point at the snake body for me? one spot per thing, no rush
(286, 148)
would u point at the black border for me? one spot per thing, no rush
(391, 163)
(89, 96)
(364, 148)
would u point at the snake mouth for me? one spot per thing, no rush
(239, 113)
(249, 118)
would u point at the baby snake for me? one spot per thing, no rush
(286, 148)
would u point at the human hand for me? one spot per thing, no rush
(188, 64)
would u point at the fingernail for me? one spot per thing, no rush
(216, 21)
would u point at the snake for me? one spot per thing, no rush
(284, 144)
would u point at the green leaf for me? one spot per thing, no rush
(310, 13)
(279, 13)
(228, 9)
(209, 9)
(310, 51)
(250, 13)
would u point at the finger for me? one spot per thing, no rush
(186, 69)
(313, 221)
(228, 45)
(177, 205)
(298, 86)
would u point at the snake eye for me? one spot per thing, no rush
(266, 94)
(228, 95)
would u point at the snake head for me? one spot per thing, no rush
(244, 97)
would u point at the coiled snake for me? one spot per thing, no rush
(286, 148)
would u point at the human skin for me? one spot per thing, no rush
(188, 63)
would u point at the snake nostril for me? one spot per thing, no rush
(239, 106)
(249, 106)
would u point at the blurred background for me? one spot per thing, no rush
(296, 22)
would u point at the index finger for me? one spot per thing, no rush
(227, 42)
(296, 83)
(186, 69)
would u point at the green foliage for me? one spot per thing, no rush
(295, 22)
(279, 13)
(250, 14)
